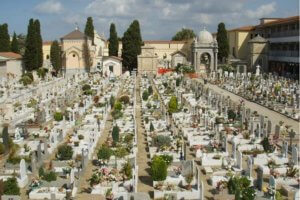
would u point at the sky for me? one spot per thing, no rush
(159, 19)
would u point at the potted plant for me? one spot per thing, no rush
(189, 178)
(109, 195)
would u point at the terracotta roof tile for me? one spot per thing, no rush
(76, 34)
(243, 28)
(10, 55)
(281, 21)
(163, 42)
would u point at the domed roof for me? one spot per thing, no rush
(205, 37)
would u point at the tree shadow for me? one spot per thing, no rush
(147, 180)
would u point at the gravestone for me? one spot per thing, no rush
(33, 164)
(39, 153)
(202, 190)
(234, 149)
(277, 130)
(295, 155)
(239, 159)
(285, 149)
(269, 128)
(272, 183)
(225, 143)
(23, 174)
(259, 181)
(250, 166)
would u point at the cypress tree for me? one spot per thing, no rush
(39, 43)
(55, 56)
(15, 44)
(5, 138)
(89, 29)
(30, 55)
(132, 42)
(113, 47)
(222, 41)
(4, 38)
(86, 56)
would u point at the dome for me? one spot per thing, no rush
(205, 37)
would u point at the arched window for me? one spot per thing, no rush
(47, 57)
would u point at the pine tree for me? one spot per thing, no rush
(86, 56)
(89, 29)
(113, 47)
(15, 44)
(30, 55)
(4, 38)
(55, 56)
(39, 43)
(184, 34)
(132, 42)
(222, 42)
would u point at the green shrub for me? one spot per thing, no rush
(115, 134)
(86, 87)
(125, 99)
(104, 153)
(269, 148)
(168, 159)
(65, 152)
(231, 114)
(26, 80)
(161, 141)
(49, 176)
(58, 116)
(80, 137)
(41, 72)
(127, 170)
(158, 169)
(145, 95)
(173, 104)
(10, 187)
(118, 106)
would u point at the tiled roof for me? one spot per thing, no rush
(10, 55)
(76, 34)
(47, 42)
(243, 28)
(281, 21)
(163, 42)
(114, 57)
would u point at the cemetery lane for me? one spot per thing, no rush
(144, 181)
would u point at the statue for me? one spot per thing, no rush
(257, 72)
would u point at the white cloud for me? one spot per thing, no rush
(49, 7)
(262, 11)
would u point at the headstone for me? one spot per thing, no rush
(250, 166)
(269, 129)
(23, 169)
(295, 155)
(33, 164)
(285, 149)
(259, 179)
(39, 153)
(202, 190)
(234, 149)
(277, 130)
(239, 159)
(225, 143)
(272, 183)
(72, 176)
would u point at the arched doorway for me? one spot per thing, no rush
(205, 63)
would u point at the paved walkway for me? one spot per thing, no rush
(145, 180)
(275, 117)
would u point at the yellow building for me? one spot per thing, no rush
(238, 42)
